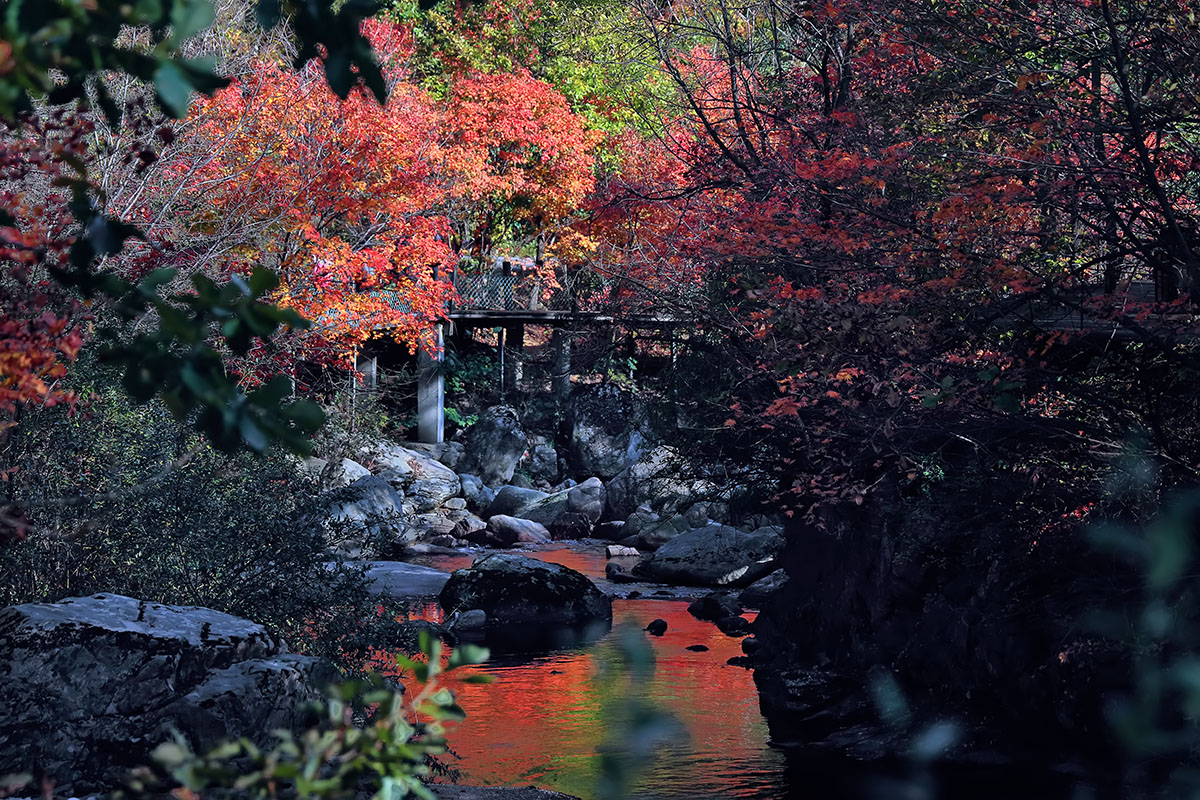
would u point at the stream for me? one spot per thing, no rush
(547, 717)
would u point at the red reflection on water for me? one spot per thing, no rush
(543, 719)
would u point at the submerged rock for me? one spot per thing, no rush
(90, 685)
(714, 606)
(657, 627)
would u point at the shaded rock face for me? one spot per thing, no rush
(759, 593)
(495, 445)
(608, 430)
(715, 555)
(90, 685)
(972, 627)
(541, 462)
(527, 599)
(654, 479)
(367, 514)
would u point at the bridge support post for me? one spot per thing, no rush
(431, 393)
(560, 370)
(514, 356)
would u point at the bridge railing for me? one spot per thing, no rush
(495, 291)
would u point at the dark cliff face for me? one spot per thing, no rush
(976, 621)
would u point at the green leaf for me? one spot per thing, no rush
(268, 13)
(307, 415)
(174, 89)
(189, 17)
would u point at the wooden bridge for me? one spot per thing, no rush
(507, 299)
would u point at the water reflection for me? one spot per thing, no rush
(543, 719)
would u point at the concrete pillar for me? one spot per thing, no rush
(368, 368)
(431, 394)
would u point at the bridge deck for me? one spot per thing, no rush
(498, 318)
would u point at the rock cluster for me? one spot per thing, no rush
(90, 685)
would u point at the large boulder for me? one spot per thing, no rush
(665, 480)
(757, 594)
(477, 495)
(365, 517)
(342, 472)
(518, 592)
(505, 531)
(90, 685)
(715, 555)
(425, 481)
(541, 461)
(448, 453)
(495, 445)
(609, 429)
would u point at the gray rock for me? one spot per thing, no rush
(465, 524)
(425, 481)
(398, 579)
(608, 430)
(472, 620)
(655, 536)
(516, 591)
(510, 500)
(618, 573)
(505, 531)
(363, 517)
(455, 504)
(757, 594)
(342, 472)
(569, 514)
(654, 480)
(619, 551)
(642, 519)
(478, 496)
(90, 685)
(495, 444)
(542, 463)
(311, 467)
(716, 555)
(431, 523)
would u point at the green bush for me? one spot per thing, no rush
(122, 498)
